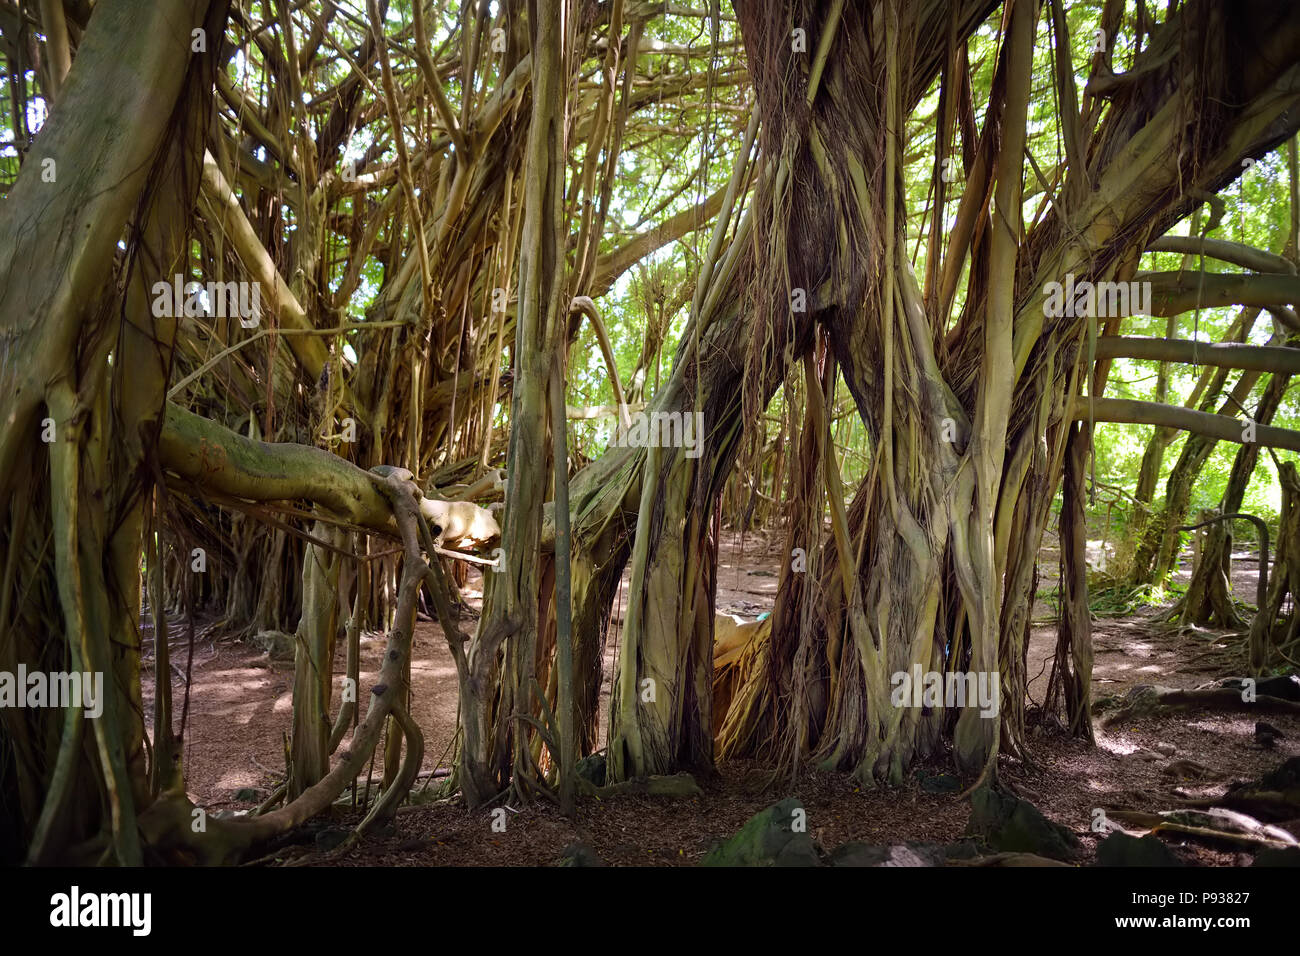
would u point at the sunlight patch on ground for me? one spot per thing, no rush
(1099, 553)
(230, 696)
(425, 668)
(237, 780)
(1119, 746)
(238, 712)
(242, 678)
(1225, 725)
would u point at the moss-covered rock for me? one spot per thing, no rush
(768, 838)
(1009, 824)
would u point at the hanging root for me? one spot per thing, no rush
(167, 825)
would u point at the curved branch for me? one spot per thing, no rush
(213, 457)
(584, 305)
(231, 221)
(1239, 254)
(1259, 358)
(1221, 427)
(613, 265)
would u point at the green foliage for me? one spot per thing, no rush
(1121, 600)
(1256, 213)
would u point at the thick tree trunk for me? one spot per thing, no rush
(129, 118)
(492, 755)
(969, 434)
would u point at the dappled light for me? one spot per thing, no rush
(582, 432)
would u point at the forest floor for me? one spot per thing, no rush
(240, 712)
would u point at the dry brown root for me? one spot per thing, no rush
(1209, 834)
(1149, 700)
(1274, 798)
(1212, 824)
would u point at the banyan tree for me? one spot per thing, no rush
(290, 293)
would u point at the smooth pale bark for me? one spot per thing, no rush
(313, 665)
(58, 52)
(1154, 455)
(211, 458)
(975, 737)
(146, 347)
(100, 140)
(228, 216)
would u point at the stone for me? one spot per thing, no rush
(1120, 849)
(1009, 824)
(902, 854)
(579, 854)
(938, 782)
(592, 769)
(277, 644)
(768, 838)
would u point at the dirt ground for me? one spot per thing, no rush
(240, 712)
